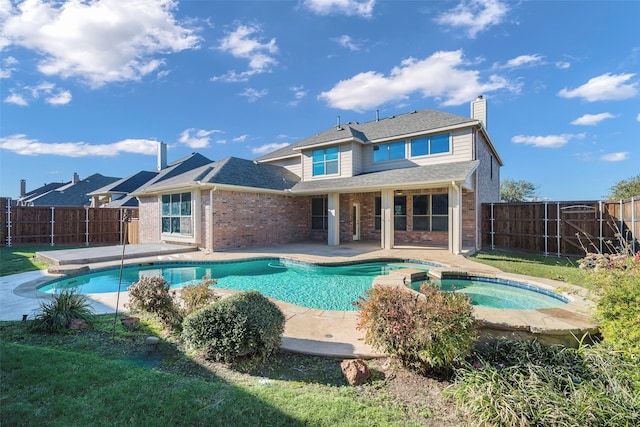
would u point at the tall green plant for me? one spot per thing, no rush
(65, 306)
(152, 294)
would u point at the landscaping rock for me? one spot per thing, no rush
(355, 371)
(77, 324)
(151, 340)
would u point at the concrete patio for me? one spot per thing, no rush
(310, 331)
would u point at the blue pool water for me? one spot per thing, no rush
(307, 285)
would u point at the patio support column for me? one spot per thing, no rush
(386, 219)
(333, 218)
(455, 218)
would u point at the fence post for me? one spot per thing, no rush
(9, 221)
(121, 227)
(492, 229)
(558, 237)
(633, 225)
(546, 228)
(53, 222)
(600, 238)
(86, 225)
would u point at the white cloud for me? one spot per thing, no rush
(7, 66)
(240, 138)
(474, 16)
(52, 95)
(522, 60)
(269, 147)
(99, 42)
(347, 42)
(362, 8)
(196, 138)
(20, 144)
(638, 117)
(606, 87)
(563, 65)
(299, 93)
(592, 119)
(440, 76)
(253, 94)
(615, 157)
(549, 141)
(241, 44)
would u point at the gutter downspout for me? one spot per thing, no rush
(210, 219)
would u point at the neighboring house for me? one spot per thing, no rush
(413, 179)
(72, 193)
(118, 194)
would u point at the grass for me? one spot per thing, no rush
(99, 377)
(21, 259)
(549, 267)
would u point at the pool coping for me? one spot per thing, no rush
(335, 333)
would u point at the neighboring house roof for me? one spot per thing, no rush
(418, 176)
(391, 127)
(72, 194)
(40, 191)
(122, 190)
(231, 171)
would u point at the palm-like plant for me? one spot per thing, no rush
(65, 306)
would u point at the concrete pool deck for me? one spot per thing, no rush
(311, 331)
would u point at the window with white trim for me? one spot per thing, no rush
(319, 213)
(176, 214)
(390, 151)
(325, 161)
(428, 145)
(431, 212)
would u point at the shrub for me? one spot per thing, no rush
(151, 294)
(244, 324)
(516, 383)
(425, 332)
(195, 296)
(57, 314)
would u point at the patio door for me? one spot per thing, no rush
(355, 221)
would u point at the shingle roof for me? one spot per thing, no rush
(418, 176)
(73, 194)
(394, 126)
(234, 172)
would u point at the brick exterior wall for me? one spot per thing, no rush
(488, 183)
(254, 219)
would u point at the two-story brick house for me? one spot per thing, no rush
(414, 179)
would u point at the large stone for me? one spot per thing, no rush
(355, 371)
(78, 324)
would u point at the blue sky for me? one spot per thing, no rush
(92, 86)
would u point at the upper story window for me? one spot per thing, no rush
(390, 151)
(325, 161)
(176, 214)
(435, 144)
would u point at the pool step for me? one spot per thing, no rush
(411, 274)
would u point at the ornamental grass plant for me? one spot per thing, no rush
(57, 314)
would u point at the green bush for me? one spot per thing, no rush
(425, 332)
(617, 296)
(195, 296)
(516, 383)
(151, 294)
(67, 305)
(244, 324)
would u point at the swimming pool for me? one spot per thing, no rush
(325, 287)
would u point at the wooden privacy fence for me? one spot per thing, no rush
(52, 225)
(562, 228)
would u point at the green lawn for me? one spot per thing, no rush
(20, 259)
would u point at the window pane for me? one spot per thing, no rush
(166, 204)
(396, 150)
(332, 167)
(421, 223)
(440, 204)
(400, 223)
(440, 143)
(332, 153)
(376, 222)
(185, 207)
(317, 223)
(317, 206)
(420, 146)
(377, 203)
(421, 204)
(166, 225)
(185, 225)
(175, 204)
(440, 223)
(318, 169)
(318, 156)
(400, 205)
(175, 225)
(380, 153)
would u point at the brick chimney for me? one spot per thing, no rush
(479, 110)
(76, 178)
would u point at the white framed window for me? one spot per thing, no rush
(325, 161)
(390, 151)
(429, 145)
(176, 214)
